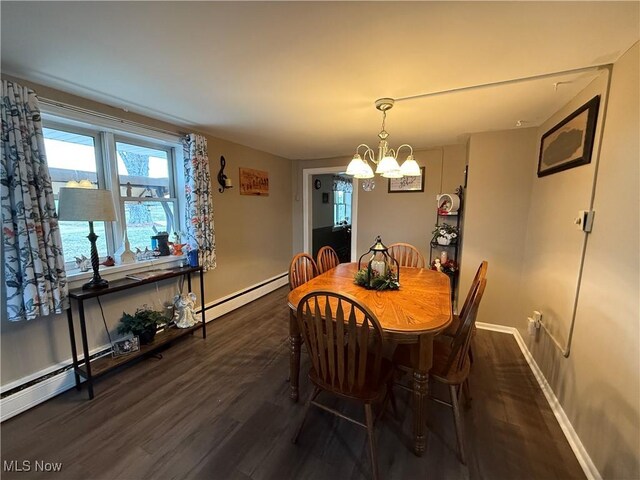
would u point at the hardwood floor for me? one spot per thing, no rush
(219, 409)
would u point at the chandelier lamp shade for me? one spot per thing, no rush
(386, 161)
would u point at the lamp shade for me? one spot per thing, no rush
(85, 204)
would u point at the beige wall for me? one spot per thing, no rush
(536, 265)
(253, 240)
(598, 385)
(495, 221)
(397, 217)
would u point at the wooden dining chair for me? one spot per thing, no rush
(407, 255)
(327, 259)
(302, 269)
(451, 364)
(345, 344)
(481, 273)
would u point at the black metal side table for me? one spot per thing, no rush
(90, 369)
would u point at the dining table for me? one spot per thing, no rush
(413, 314)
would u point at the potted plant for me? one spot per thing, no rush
(445, 234)
(144, 323)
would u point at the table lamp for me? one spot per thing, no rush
(89, 205)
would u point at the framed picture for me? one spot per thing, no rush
(126, 346)
(325, 197)
(569, 143)
(407, 184)
(254, 182)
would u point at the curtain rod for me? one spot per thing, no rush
(56, 103)
(603, 66)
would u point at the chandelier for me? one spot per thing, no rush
(387, 160)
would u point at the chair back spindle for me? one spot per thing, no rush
(327, 259)
(407, 255)
(302, 269)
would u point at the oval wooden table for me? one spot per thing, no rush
(414, 314)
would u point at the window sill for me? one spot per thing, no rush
(76, 278)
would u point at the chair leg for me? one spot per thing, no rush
(307, 406)
(458, 422)
(368, 413)
(467, 393)
(471, 353)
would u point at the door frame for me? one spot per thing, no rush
(307, 213)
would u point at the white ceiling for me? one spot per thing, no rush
(299, 79)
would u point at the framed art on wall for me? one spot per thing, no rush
(570, 143)
(254, 182)
(407, 184)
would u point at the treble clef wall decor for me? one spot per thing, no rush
(223, 180)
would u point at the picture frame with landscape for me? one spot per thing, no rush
(569, 144)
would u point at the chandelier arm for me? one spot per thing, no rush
(405, 145)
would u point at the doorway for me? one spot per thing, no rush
(329, 211)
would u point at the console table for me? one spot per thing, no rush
(90, 369)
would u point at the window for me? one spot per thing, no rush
(139, 171)
(342, 191)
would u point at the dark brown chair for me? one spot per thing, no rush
(407, 255)
(345, 343)
(481, 273)
(327, 259)
(302, 269)
(451, 363)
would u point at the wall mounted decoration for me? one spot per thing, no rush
(325, 197)
(570, 143)
(407, 184)
(254, 182)
(223, 180)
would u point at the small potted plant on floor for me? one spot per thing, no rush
(144, 323)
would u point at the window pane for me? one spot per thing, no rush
(70, 156)
(142, 171)
(146, 219)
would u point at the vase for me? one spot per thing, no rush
(443, 240)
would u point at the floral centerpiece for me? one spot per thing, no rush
(445, 234)
(386, 281)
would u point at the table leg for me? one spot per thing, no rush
(421, 392)
(294, 356)
(85, 348)
(74, 350)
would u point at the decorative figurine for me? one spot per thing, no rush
(438, 265)
(83, 263)
(184, 315)
(109, 262)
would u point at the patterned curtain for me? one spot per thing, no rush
(199, 205)
(35, 282)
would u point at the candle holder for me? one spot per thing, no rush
(223, 180)
(382, 271)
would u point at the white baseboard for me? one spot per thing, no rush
(228, 303)
(33, 395)
(579, 451)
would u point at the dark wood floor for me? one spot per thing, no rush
(219, 409)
